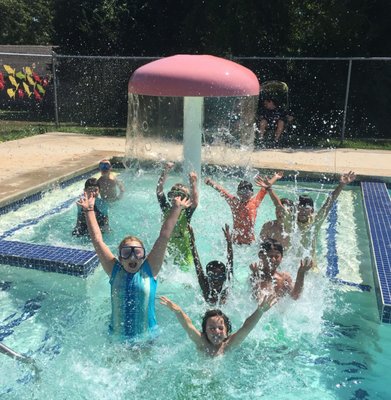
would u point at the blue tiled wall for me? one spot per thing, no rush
(377, 205)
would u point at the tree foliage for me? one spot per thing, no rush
(26, 22)
(221, 27)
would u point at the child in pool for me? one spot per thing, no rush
(216, 338)
(308, 223)
(91, 187)
(244, 208)
(179, 244)
(266, 279)
(111, 188)
(133, 275)
(280, 228)
(217, 273)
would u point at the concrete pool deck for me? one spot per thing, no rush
(31, 164)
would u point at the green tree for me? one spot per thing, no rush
(26, 22)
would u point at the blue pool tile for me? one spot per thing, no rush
(377, 205)
(63, 260)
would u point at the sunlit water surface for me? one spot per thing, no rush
(327, 345)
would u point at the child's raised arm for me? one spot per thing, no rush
(202, 280)
(19, 357)
(163, 177)
(230, 252)
(193, 333)
(249, 324)
(156, 256)
(305, 266)
(106, 257)
(322, 213)
(194, 189)
(218, 187)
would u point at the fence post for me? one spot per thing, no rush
(54, 65)
(346, 101)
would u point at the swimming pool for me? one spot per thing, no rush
(327, 345)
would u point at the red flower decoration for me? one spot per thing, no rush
(20, 93)
(37, 95)
(37, 77)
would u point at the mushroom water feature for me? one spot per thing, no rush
(189, 97)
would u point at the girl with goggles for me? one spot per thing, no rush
(133, 275)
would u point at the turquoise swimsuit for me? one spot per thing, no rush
(133, 301)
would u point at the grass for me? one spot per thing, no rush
(12, 130)
(365, 144)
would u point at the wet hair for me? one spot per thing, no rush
(271, 244)
(129, 239)
(306, 200)
(180, 187)
(91, 182)
(215, 313)
(245, 185)
(214, 264)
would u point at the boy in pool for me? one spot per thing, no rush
(179, 244)
(217, 274)
(216, 338)
(266, 279)
(308, 222)
(244, 208)
(133, 275)
(91, 188)
(280, 228)
(111, 188)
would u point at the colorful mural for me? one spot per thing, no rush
(23, 83)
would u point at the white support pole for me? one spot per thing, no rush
(193, 116)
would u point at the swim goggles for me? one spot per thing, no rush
(138, 252)
(104, 166)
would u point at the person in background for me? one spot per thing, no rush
(179, 244)
(111, 188)
(270, 116)
(265, 278)
(213, 283)
(91, 188)
(133, 274)
(216, 338)
(244, 208)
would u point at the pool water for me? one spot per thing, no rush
(327, 345)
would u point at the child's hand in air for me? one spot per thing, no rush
(348, 178)
(165, 301)
(87, 201)
(193, 177)
(267, 301)
(182, 203)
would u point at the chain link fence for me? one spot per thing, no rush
(328, 97)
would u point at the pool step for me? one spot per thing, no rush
(63, 260)
(377, 205)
